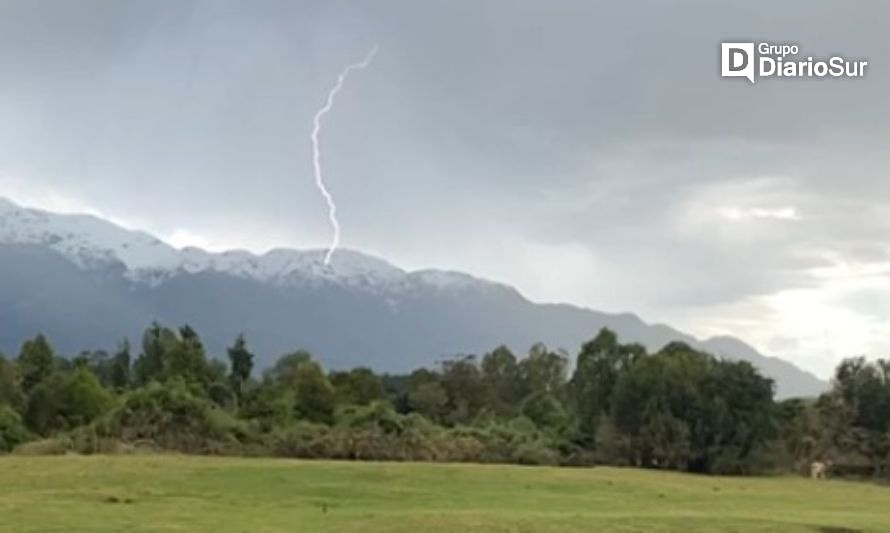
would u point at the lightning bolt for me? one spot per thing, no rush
(316, 151)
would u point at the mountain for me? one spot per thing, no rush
(86, 282)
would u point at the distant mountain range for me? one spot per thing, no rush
(86, 282)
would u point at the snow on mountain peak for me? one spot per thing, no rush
(286, 265)
(90, 241)
(441, 279)
(84, 239)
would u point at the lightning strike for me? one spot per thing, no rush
(316, 151)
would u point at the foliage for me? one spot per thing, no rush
(500, 372)
(170, 416)
(65, 401)
(12, 431)
(314, 395)
(119, 375)
(849, 425)
(426, 395)
(35, 362)
(11, 393)
(678, 408)
(682, 408)
(359, 386)
(599, 364)
(241, 364)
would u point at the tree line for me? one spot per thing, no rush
(678, 408)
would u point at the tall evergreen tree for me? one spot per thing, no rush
(35, 361)
(120, 366)
(150, 363)
(240, 364)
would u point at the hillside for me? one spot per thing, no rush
(86, 282)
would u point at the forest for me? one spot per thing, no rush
(614, 404)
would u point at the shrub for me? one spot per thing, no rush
(535, 453)
(378, 415)
(83, 398)
(52, 446)
(12, 431)
(66, 401)
(545, 411)
(171, 417)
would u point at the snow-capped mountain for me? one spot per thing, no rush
(85, 240)
(88, 283)
(91, 243)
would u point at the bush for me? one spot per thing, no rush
(83, 398)
(314, 398)
(535, 453)
(12, 431)
(65, 401)
(11, 384)
(545, 411)
(378, 416)
(174, 419)
(301, 439)
(52, 446)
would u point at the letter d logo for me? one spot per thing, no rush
(737, 60)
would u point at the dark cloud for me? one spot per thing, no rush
(483, 130)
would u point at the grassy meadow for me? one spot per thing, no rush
(143, 493)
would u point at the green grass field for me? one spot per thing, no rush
(176, 493)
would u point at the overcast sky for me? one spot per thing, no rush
(583, 152)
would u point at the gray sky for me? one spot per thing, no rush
(584, 152)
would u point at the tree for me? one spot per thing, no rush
(36, 361)
(359, 386)
(275, 399)
(65, 401)
(546, 411)
(12, 431)
(685, 409)
(119, 375)
(598, 366)
(82, 398)
(11, 393)
(865, 389)
(543, 371)
(665, 441)
(500, 373)
(739, 416)
(314, 395)
(150, 363)
(855, 416)
(463, 384)
(42, 412)
(799, 430)
(426, 395)
(267, 404)
(184, 358)
(240, 364)
(167, 354)
(669, 383)
(429, 399)
(284, 372)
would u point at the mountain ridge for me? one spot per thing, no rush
(287, 298)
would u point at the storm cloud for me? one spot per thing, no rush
(584, 152)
